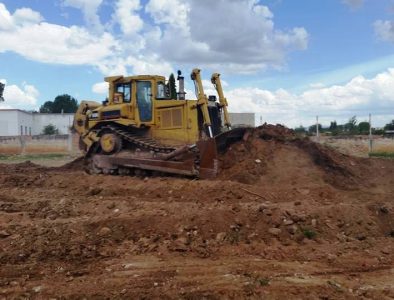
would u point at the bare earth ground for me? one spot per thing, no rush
(42, 160)
(287, 218)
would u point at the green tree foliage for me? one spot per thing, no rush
(300, 129)
(172, 86)
(389, 126)
(333, 126)
(2, 86)
(64, 103)
(50, 129)
(312, 129)
(351, 125)
(363, 127)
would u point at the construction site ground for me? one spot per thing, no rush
(287, 218)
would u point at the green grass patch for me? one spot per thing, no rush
(263, 281)
(309, 233)
(5, 157)
(382, 154)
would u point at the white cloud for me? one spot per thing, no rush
(26, 16)
(176, 34)
(25, 34)
(126, 14)
(359, 96)
(74, 45)
(219, 39)
(6, 22)
(172, 12)
(384, 30)
(21, 17)
(353, 4)
(24, 97)
(89, 9)
(100, 88)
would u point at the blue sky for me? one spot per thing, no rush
(285, 60)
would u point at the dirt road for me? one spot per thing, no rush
(286, 219)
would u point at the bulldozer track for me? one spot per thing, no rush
(141, 141)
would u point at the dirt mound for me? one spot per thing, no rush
(75, 165)
(268, 145)
(20, 168)
(277, 132)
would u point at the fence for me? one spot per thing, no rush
(67, 144)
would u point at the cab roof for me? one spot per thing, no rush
(121, 78)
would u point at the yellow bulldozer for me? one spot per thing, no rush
(139, 128)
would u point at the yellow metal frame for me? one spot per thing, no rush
(188, 132)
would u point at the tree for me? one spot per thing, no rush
(2, 86)
(312, 129)
(50, 129)
(389, 126)
(172, 86)
(351, 125)
(62, 103)
(363, 127)
(333, 126)
(47, 107)
(300, 129)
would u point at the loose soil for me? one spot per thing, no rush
(286, 218)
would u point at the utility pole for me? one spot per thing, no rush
(370, 133)
(317, 127)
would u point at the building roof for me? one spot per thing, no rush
(14, 109)
(33, 112)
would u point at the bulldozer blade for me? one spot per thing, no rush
(209, 165)
(210, 149)
(225, 139)
(174, 167)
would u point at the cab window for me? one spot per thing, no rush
(144, 100)
(162, 91)
(125, 89)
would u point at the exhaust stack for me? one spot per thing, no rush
(2, 86)
(181, 93)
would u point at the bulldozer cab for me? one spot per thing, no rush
(137, 94)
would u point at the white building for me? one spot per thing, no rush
(15, 122)
(242, 119)
(19, 122)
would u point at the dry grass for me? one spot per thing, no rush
(360, 147)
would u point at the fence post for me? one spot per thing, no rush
(370, 133)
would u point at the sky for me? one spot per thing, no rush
(285, 60)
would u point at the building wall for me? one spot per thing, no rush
(33, 123)
(25, 123)
(15, 122)
(62, 122)
(238, 119)
(9, 122)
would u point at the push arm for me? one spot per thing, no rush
(202, 99)
(215, 79)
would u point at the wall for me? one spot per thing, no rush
(8, 122)
(242, 119)
(61, 121)
(11, 121)
(25, 120)
(67, 144)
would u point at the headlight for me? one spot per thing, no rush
(94, 115)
